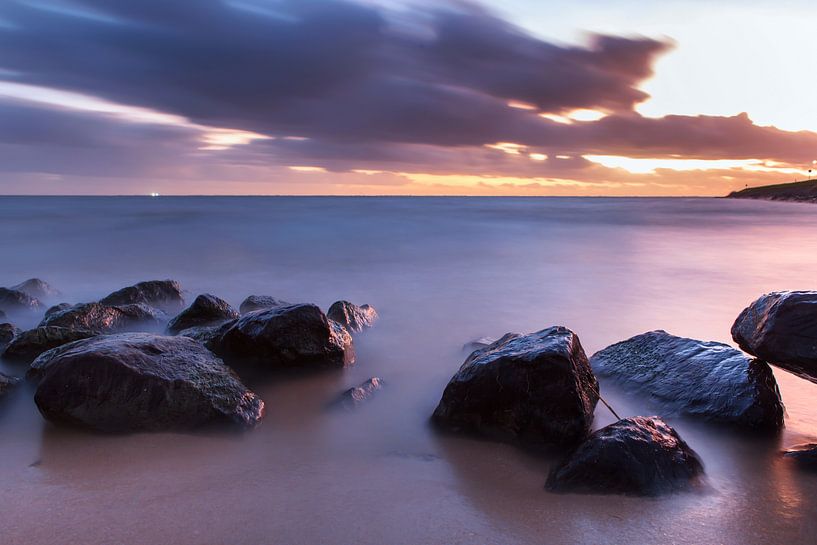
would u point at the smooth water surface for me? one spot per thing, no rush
(441, 271)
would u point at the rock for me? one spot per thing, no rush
(105, 318)
(165, 295)
(29, 344)
(38, 289)
(57, 308)
(12, 300)
(294, 336)
(640, 456)
(206, 310)
(260, 302)
(686, 377)
(805, 455)
(2, 315)
(781, 328)
(7, 333)
(352, 317)
(206, 334)
(353, 397)
(537, 387)
(7, 383)
(141, 382)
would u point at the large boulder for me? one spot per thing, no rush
(537, 387)
(26, 346)
(260, 302)
(105, 318)
(206, 310)
(7, 333)
(38, 289)
(781, 328)
(12, 301)
(687, 377)
(162, 294)
(141, 382)
(640, 456)
(294, 336)
(352, 317)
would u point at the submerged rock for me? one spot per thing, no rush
(29, 344)
(640, 456)
(165, 295)
(353, 397)
(12, 300)
(206, 310)
(39, 289)
(7, 333)
(781, 328)
(7, 383)
(537, 387)
(105, 318)
(805, 455)
(294, 336)
(260, 302)
(687, 377)
(141, 382)
(352, 317)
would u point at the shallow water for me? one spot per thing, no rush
(440, 272)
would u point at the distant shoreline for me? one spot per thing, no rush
(805, 191)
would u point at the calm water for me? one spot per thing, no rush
(440, 272)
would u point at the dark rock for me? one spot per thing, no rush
(294, 336)
(353, 397)
(57, 308)
(206, 310)
(7, 333)
(162, 294)
(537, 387)
(781, 328)
(141, 382)
(12, 300)
(686, 377)
(29, 344)
(260, 302)
(105, 318)
(352, 317)
(205, 334)
(640, 456)
(39, 289)
(805, 455)
(2, 315)
(478, 344)
(7, 383)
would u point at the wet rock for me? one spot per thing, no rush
(206, 334)
(353, 397)
(29, 344)
(38, 289)
(7, 333)
(105, 318)
(7, 383)
(12, 301)
(352, 317)
(260, 302)
(294, 336)
(537, 387)
(57, 308)
(141, 382)
(805, 455)
(165, 295)
(687, 377)
(478, 344)
(640, 456)
(781, 328)
(206, 310)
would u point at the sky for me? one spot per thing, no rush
(405, 97)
